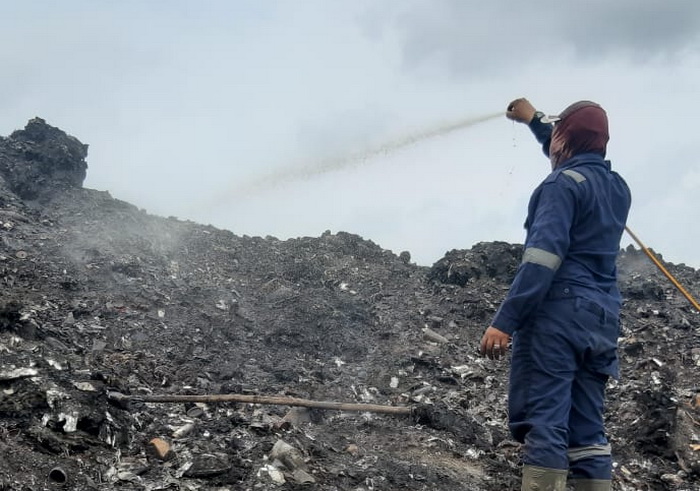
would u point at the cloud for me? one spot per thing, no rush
(184, 105)
(501, 36)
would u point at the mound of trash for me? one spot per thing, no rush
(149, 353)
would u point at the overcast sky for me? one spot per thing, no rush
(242, 114)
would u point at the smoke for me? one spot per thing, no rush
(355, 159)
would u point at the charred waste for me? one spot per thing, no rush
(100, 298)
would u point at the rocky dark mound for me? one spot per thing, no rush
(104, 306)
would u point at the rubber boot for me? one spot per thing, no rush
(591, 484)
(543, 479)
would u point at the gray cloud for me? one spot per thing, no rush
(181, 104)
(476, 39)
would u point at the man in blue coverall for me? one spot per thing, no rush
(562, 309)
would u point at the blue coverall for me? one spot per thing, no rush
(563, 313)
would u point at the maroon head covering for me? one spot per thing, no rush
(582, 128)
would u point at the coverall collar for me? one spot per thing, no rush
(584, 158)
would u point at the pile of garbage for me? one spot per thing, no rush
(109, 315)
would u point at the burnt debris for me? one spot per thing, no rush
(98, 297)
(41, 159)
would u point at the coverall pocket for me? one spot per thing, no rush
(600, 330)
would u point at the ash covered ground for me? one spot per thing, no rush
(100, 298)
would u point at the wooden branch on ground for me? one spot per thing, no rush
(258, 399)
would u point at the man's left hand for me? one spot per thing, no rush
(494, 343)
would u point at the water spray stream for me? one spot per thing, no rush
(354, 159)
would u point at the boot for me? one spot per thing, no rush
(591, 484)
(543, 479)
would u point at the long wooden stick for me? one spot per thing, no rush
(257, 399)
(664, 270)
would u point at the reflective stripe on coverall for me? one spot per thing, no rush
(563, 312)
